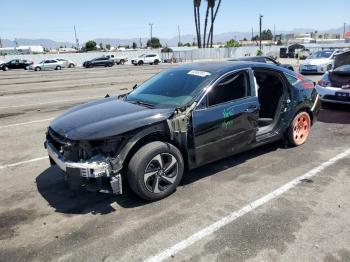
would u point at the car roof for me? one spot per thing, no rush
(225, 66)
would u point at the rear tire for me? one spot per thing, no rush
(156, 62)
(140, 63)
(71, 65)
(299, 129)
(58, 68)
(155, 170)
(122, 62)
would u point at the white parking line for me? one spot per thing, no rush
(27, 123)
(241, 212)
(52, 102)
(24, 162)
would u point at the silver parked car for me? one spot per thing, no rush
(67, 62)
(49, 64)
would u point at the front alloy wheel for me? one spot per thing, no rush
(155, 170)
(161, 172)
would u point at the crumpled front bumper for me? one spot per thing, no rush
(95, 174)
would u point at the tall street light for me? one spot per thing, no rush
(151, 27)
(260, 23)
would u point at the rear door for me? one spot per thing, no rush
(226, 120)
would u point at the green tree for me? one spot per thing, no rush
(154, 43)
(266, 35)
(187, 44)
(259, 52)
(90, 45)
(134, 45)
(232, 43)
(108, 46)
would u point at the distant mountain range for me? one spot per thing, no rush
(223, 37)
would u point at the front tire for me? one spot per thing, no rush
(5, 68)
(299, 129)
(37, 68)
(140, 63)
(156, 62)
(155, 170)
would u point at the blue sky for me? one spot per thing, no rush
(125, 19)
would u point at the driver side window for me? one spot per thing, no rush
(232, 87)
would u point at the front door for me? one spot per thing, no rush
(226, 121)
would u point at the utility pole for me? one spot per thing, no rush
(252, 34)
(140, 43)
(178, 29)
(274, 33)
(76, 38)
(344, 30)
(16, 43)
(260, 24)
(151, 27)
(0, 42)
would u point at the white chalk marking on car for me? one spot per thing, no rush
(27, 123)
(243, 211)
(199, 73)
(52, 102)
(24, 162)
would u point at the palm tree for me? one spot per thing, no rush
(211, 31)
(206, 22)
(196, 5)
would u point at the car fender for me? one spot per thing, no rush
(136, 137)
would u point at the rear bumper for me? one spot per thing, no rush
(94, 174)
(333, 94)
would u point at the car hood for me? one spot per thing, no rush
(320, 61)
(342, 59)
(105, 118)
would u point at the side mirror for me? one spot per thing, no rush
(134, 87)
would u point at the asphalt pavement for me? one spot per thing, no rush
(274, 203)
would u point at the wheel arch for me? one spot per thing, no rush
(159, 132)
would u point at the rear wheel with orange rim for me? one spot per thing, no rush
(299, 129)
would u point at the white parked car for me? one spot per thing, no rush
(49, 64)
(152, 59)
(334, 86)
(67, 62)
(319, 62)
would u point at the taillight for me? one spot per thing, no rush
(308, 85)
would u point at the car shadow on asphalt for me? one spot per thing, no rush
(229, 162)
(334, 114)
(54, 189)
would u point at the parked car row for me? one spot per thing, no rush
(52, 64)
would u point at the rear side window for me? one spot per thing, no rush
(232, 87)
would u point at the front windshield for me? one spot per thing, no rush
(171, 88)
(42, 62)
(143, 55)
(321, 54)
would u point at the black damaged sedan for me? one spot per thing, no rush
(180, 119)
